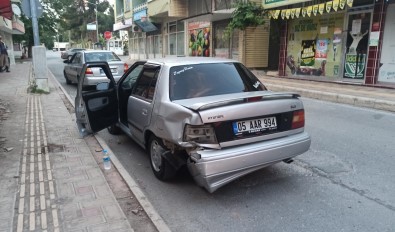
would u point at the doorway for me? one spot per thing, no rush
(357, 45)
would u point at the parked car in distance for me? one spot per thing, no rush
(211, 115)
(74, 66)
(69, 53)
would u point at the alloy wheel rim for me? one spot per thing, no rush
(156, 159)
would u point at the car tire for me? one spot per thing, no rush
(68, 82)
(114, 130)
(162, 169)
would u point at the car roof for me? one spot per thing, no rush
(175, 61)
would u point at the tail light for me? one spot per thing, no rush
(88, 71)
(203, 134)
(298, 119)
(125, 67)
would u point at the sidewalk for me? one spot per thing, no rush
(49, 176)
(352, 94)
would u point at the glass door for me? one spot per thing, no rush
(357, 45)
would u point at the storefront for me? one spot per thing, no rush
(144, 37)
(326, 41)
(225, 46)
(315, 46)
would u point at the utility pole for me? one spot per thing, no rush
(97, 23)
(36, 37)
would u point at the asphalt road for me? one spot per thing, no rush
(345, 182)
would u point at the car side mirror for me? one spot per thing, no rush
(102, 86)
(66, 61)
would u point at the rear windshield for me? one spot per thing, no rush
(101, 56)
(200, 80)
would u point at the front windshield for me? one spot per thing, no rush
(200, 80)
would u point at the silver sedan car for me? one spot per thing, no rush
(73, 68)
(211, 115)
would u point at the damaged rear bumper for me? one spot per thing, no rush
(216, 168)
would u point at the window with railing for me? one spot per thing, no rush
(225, 4)
(198, 7)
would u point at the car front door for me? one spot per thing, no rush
(141, 102)
(75, 67)
(96, 108)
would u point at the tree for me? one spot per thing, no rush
(79, 13)
(46, 27)
(66, 20)
(246, 14)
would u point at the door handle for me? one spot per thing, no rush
(144, 111)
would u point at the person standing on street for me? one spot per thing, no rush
(4, 63)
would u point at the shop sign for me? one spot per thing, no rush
(268, 4)
(354, 66)
(387, 73)
(308, 53)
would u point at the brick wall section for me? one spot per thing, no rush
(283, 49)
(373, 65)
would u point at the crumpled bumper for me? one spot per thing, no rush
(216, 168)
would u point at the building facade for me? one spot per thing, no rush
(164, 28)
(10, 25)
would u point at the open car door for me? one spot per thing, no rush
(96, 107)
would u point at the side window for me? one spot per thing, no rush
(130, 80)
(145, 86)
(77, 59)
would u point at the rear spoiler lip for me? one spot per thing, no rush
(266, 95)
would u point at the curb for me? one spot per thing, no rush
(339, 98)
(156, 219)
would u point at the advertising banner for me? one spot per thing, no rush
(354, 66)
(308, 53)
(199, 39)
(321, 51)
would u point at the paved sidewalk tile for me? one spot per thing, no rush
(61, 187)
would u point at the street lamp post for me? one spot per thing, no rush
(97, 23)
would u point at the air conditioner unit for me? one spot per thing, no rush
(136, 28)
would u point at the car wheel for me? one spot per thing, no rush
(67, 79)
(162, 169)
(114, 130)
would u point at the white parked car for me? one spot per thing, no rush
(212, 115)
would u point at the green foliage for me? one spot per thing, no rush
(46, 27)
(33, 88)
(246, 14)
(65, 20)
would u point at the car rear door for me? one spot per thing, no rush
(96, 108)
(141, 101)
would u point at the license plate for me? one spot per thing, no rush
(113, 70)
(254, 126)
